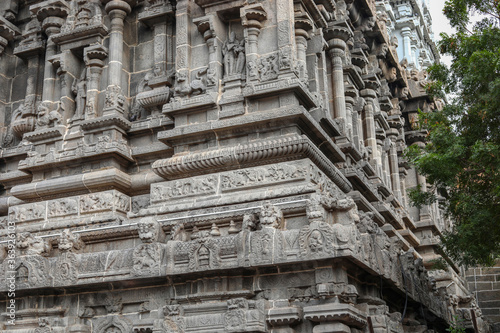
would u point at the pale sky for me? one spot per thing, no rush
(439, 24)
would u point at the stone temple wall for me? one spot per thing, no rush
(214, 166)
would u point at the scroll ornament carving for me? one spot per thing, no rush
(32, 270)
(66, 272)
(67, 262)
(235, 317)
(43, 326)
(113, 324)
(266, 245)
(204, 254)
(316, 239)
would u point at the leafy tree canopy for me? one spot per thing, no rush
(462, 156)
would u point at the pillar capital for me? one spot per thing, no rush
(205, 26)
(117, 8)
(50, 8)
(95, 55)
(252, 16)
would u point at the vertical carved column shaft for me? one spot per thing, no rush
(301, 37)
(424, 210)
(117, 11)
(52, 26)
(286, 38)
(183, 52)
(251, 18)
(33, 71)
(170, 46)
(160, 45)
(369, 123)
(406, 33)
(252, 57)
(394, 167)
(94, 59)
(351, 116)
(336, 52)
(206, 27)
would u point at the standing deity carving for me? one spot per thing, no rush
(233, 52)
(79, 88)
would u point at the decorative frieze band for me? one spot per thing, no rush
(263, 152)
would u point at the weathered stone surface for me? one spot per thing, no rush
(218, 166)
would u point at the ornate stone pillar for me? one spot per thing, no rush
(370, 139)
(29, 49)
(51, 14)
(183, 47)
(251, 19)
(406, 33)
(286, 38)
(206, 28)
(336, 39)
(66, 67)
(115, 100)
(159, 16)
(393, 163)
(352, 126)
(302, 27)
(94, 57)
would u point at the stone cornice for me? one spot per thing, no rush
(340, 312)
(8, 30)
(88, 182)
(263, 152)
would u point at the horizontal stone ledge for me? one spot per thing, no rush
(339, 312)
(84, 183)
(257, 153)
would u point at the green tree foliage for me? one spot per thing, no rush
(462, 157)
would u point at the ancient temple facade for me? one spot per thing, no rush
(215, 166)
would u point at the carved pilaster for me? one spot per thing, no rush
(115, 100)
(336, 37)
(252, 17)
(51, 14)
(94, 57)
(206, 28)
(303, 27)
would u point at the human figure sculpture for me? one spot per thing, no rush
(79, 88)
(234, 55)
